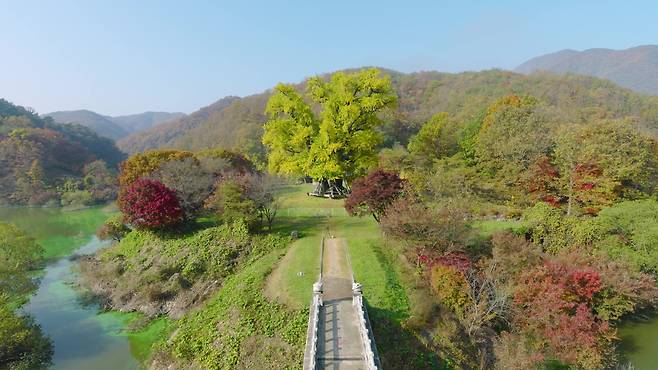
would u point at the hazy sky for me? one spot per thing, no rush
(120, 57)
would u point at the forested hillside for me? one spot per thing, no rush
(42, 162)
(100, 124)
(635, 68)
(236, 123)
(163, 135)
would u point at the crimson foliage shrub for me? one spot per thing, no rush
(149, 204)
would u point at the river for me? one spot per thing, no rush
(83, 336)
(639, 342)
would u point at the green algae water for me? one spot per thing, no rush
(82, 335)
(639, 342)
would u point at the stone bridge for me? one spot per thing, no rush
(339, 335)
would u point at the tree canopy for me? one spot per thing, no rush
(340, 143)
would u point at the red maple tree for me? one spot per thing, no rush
(374, 193)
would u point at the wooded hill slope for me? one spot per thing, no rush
(635, 68)
(237, 123)
(39, 157)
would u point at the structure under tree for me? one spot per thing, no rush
(334, 189)
(335, 146)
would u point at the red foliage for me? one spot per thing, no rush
(553, 201)
(458, 260)
(374, 193)
(555, 302)
(540, 180)
(150, 204)
(587, 186)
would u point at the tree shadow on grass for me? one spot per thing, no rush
(303, 225)
(398, 347)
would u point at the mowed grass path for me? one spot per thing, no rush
(374, 265)
(312, 217)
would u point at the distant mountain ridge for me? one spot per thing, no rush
(634, 68)
(163, 135)
(237, 123)
(113, 127)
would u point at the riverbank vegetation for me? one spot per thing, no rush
(23, 345)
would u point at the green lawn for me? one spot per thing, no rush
(374, 265)
(314, 216)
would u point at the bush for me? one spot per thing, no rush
(451, 287)
(622, 291)
(554, 303)
(516, 352)
(231, 202)
(113, 228)
(374, 193)
(513, 255)
(628, 231)
(439, 229)
(548, 227)
(148, 204)
(78, 198)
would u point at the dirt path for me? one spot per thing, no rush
(336, 274)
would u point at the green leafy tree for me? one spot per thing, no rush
(100, 181)
(340, 143)
(514, 133)
(437, 138)
(232, 203)
(19, 254)
(22, 344)
(603, 162)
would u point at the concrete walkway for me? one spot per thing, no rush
(339, 342)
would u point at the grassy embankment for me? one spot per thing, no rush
(216, 270)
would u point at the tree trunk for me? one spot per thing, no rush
(330, 189)
(570, 196)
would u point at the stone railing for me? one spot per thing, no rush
(370, 355)
(310, 353)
